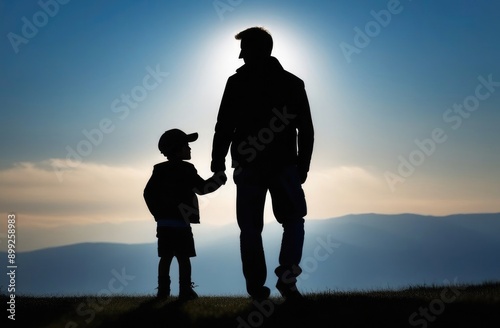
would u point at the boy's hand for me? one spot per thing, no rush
(220, 177)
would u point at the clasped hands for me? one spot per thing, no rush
(220, 177)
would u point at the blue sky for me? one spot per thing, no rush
(405, 99)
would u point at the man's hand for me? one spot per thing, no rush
(302, 176)
(220, 177)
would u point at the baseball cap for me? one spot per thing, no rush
(173, 138)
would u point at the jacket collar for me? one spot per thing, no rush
(271, 64)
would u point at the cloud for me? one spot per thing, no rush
(98, 193)
(341, 190)
(89, 192)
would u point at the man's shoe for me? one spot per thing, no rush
(289, 291)
(261, 293)
(163, 293)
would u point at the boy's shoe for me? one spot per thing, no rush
(163, 287)
(289, 291)
(186, 293)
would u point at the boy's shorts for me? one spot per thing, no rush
(175, 242)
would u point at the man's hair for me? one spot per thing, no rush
(259, 39)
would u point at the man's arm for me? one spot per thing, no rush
(224, 130)
(305, 136)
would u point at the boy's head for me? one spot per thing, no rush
(174, 144)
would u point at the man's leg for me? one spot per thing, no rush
(250, 200)
(290, 254)
(289, 207)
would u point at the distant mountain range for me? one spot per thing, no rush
(353, 252)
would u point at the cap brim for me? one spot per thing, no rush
(192, 137)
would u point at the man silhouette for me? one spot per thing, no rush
(264, 116)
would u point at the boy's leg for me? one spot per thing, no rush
(164, 275)
(250, 200)
(186, 291)
(166, 254)
(184, 270)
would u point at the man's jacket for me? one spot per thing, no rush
(264, 116)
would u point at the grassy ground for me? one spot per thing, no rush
(431, 306)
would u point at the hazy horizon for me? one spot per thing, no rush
(351, 253)
(37, 238)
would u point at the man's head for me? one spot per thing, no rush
(174, 144)
(256, 44)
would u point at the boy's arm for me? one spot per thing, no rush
(150, 195)
(213, 183)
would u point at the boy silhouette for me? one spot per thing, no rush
(170, 195)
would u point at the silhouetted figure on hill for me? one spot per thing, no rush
(264, 116)
(170, 195)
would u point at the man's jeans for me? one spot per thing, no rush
(289, 208)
